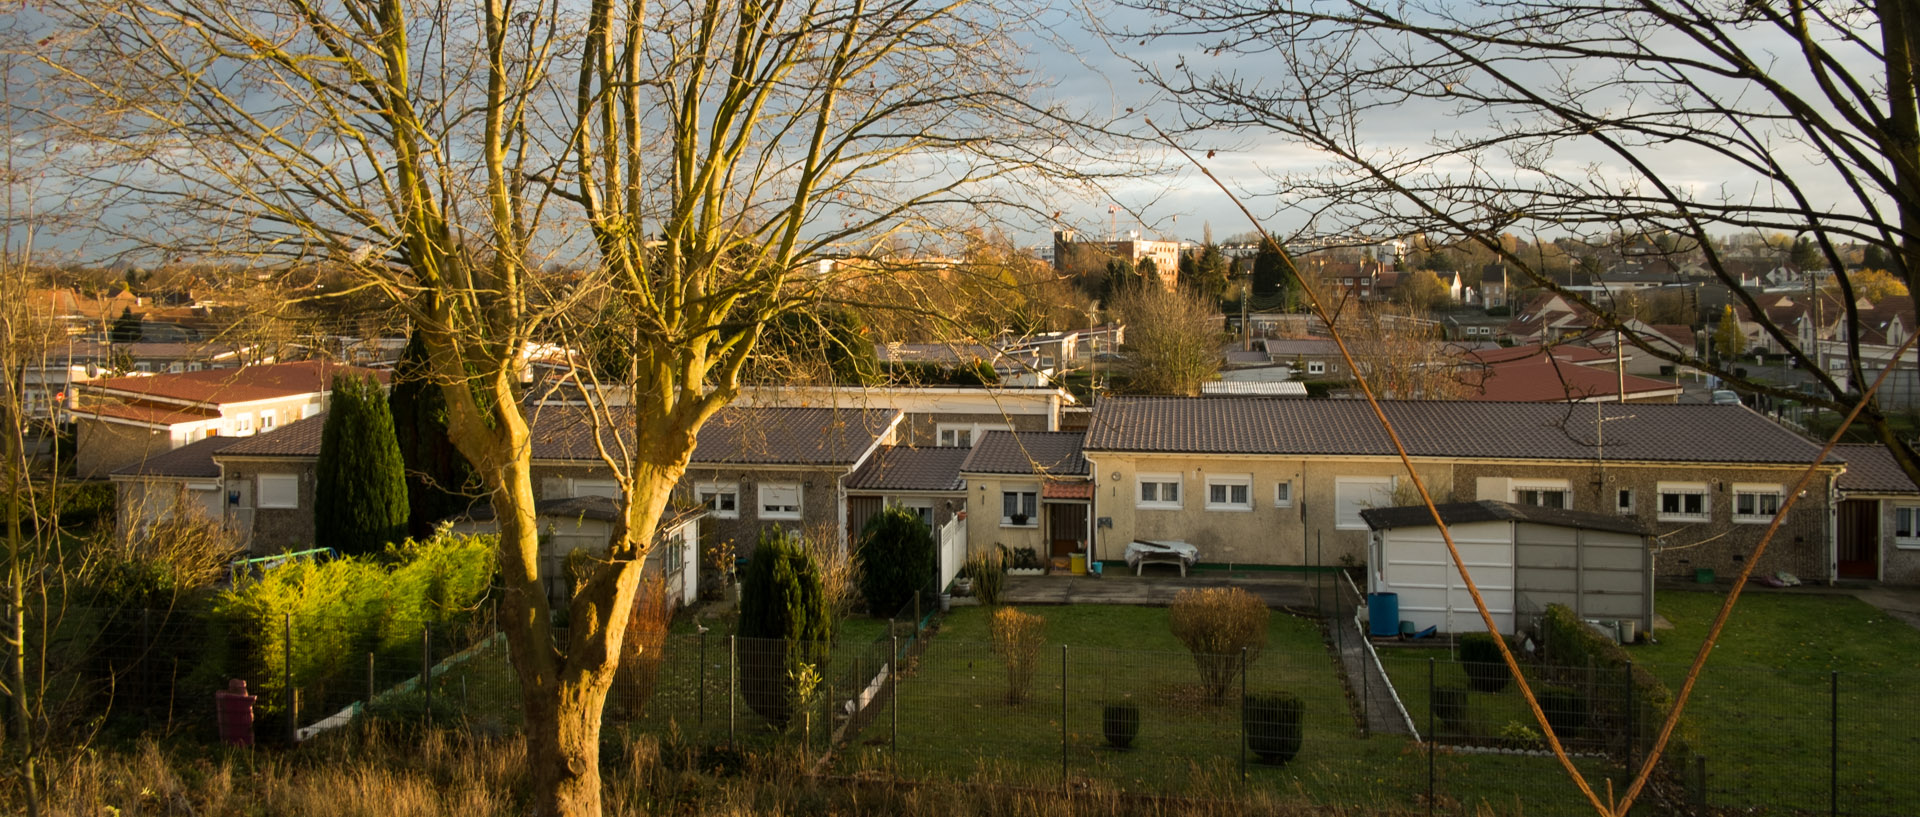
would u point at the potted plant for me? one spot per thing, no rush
(1025, 562)
(1272, 725)
(1120, 721)
(1018, 519)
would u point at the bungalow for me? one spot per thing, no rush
(1878, 529)
(933, 415)
(1029, 490)
(1282, 482)
(122, 420)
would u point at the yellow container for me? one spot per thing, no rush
(1079, 564)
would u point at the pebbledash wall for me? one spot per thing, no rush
(1301, 511)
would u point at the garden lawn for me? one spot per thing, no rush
(1760, 712)
(957, 720)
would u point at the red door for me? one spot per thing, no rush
(1859, 545)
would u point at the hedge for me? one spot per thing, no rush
(1569, 643)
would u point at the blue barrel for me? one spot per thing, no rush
(1383, 614)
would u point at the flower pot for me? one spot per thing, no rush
(962, 586)
(1121, 724)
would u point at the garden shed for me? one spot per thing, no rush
(1522, 558)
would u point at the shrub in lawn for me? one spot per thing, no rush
(785, 627)
(1568, 711)
(1222, 627)
(1450, 708)
(1518, 735)
(1017, 639)
(989, 573)
(1121, 724)
(1480, 658)
(1272, 722)
(644, 649)
(896, 558)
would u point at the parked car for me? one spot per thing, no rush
(1724, 397)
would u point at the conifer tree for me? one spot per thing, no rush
(440, 481)
(360, 489)
(786, 626)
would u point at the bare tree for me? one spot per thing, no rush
(1173, 339)
(687, 158)
(1404, 354)
(1593, 119)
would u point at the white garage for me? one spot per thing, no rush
(1522, 558)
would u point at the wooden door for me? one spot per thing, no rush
(1066, 527)
(1859, 545)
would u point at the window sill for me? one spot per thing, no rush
(1906, 544)
(1156, 506)
(1753, 520)
(1023, 526)
(1677, 518)
(782, 517)
(1231, 508)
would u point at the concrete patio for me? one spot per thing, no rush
(1160, 585)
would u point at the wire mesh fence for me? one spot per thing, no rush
(1353, 721)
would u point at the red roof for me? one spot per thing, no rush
(151, 414)
(1067, 490)
(1552, 381)
(1537, 354)
(242, 385)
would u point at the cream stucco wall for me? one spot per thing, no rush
(985, 525)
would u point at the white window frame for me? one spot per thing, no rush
(1027, 498)
(947, 435)
(1283, 494)
(1759, 491)
(1316, 367)
(1910, 539)
(770, 492)
(1348, 503)
(1625, 507)
(1540, 486)
(269, 419)
(1159, 482)
(1229, 482)
(1699, 489)
(921, 507)
(243, 425)
(710, 494)
(268, 490)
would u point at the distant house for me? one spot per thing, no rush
(933, 415)
(587, 524)
(1559, 374)
(1878, 518)
(122, 420)
(1031, 489)
(49, 379)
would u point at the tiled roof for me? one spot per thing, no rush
(1565, 352)
(1543, 380)
(1677, 432)
(150, 414)
(1055, 453)
(1871, 470)
(911, 469)
(1460, 513)
(300, 438)
(1067, 490)
(192, 460)
(247, 383)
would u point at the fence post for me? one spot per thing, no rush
(286, 678)
(426, 672)
(1243, 715)
(1833, 742)
(916, 614)
(733, 680)
(1430, 737)
(1700, 779)
(1366, 683)
(1063, 716)
(146, 667)
(893, 672)
(1633, 736)
(703, 678)
(370, 683)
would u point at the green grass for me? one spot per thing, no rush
(1760, 712)
(956, 721)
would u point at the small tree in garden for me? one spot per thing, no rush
(644, 648)
(360, 485)
(896, 559)
(1017, 639)
(786, 624)
(1222, 627)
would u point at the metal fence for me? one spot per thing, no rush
(1348, 723)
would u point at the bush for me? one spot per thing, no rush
(1026, 559)
(1017, 639)
(1272, 722)
(1450, 708)
(785, 625)
(644, 648)
(1569, 643)
(1568, 711)
(1480, 659)
(1120, 722)
(1224, 629)
(896, 558)
(989, 574)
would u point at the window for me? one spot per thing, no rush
(1158, 491)
(1683, 502)
(278, 490)
(1623, 500)
(269, 419)
(1230, 493)
(1316, 367)
(1354, 494)
(1019, 507)
(722, 498)
(243, 425)
(1283, 494)
(596, 487)
(779, 500)
(1548, 493)
(1755, 504)
(922, 508)
(956, 437)
(1906, 524)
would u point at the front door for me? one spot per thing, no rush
(1066, 527)
(1859, 545)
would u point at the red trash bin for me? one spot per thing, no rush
(234, 708)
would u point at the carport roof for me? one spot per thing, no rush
(1460, 513)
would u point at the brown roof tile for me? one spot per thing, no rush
(1871, 470)
(911, 469)
(300, 438)
(193, 460)
(1681, 432)
(247, 383)
(1056, 453)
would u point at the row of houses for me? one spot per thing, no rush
(1246, 481)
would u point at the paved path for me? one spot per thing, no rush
(1277, 589)
(1369, 685)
